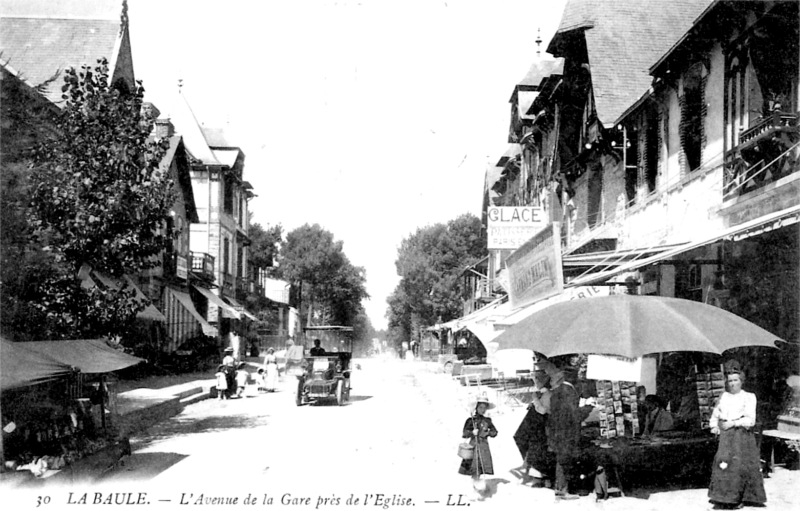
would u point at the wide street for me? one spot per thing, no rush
(393, 446)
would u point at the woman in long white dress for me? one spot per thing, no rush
(271, 370)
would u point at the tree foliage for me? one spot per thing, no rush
(99, 197)
(265, 245)
(328, 283)
(429, 263)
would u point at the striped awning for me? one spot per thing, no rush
(227, 310)
(186, 303)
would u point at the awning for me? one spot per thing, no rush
(614, 258)
(20, 366)
(187, 304)
(227, 310)
(240, 309)
(91, 356)
(783, 217)
(150, 312)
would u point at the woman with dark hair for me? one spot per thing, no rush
(735, 476)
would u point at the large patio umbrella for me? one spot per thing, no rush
(632, 326)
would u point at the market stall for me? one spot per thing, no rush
(57, 405)
(633, 357)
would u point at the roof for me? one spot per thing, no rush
(176, 151)
(217, 137)
(226, 156)
(91, 356)
(20, 367)
(43, 48)
(623, 39)
(541, 69)
(182, 117)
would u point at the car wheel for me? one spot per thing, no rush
(299, 398)
(340, 392)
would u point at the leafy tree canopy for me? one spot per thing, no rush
(429, 263)
(99, 197)
(266, 245)
(327, 281)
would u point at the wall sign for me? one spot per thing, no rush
(511, 227)
(535, 270)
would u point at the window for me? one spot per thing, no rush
(631, 161)
(692, 114)
(651, 151)
(240, 261)
(227, 205)
(226, 256)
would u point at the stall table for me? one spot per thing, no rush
(675, 455)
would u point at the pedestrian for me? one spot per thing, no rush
(531, 436)
(270, 370)
(260, 380)
(735, 474)
(478, 428)
(563, 428)
(229, 364)
(242, 377)
(222, 383)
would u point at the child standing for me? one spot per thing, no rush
(260, 381)
(222, 383)
(242, 377)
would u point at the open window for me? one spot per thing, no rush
(692, 115)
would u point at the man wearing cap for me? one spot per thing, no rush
(563, 428)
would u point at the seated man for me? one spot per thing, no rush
(317, 350)
(658, 418)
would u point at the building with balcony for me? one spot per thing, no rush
(218, 240)
(666, 148)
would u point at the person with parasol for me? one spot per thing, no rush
(478, 428)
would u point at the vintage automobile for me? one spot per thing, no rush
(326, 377)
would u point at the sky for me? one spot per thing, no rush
(371, 118)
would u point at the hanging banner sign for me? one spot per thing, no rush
(534, 269)
(511, 227)
(181, 268)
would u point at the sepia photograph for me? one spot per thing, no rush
(395, 254)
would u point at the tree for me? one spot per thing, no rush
(430, 263)
(99, 199)
(265, 245)
(326, 280)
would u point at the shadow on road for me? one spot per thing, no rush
(142, 466)
(183, 426)
(355, 399)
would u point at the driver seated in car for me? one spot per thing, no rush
(317, 350)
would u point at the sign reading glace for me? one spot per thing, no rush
(510, 227)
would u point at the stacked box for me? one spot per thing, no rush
(710, 386)
(619, 412)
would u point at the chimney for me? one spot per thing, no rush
(164, 128)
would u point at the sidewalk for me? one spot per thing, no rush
(454, 400)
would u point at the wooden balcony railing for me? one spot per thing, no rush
(202, 265)
(765, 154)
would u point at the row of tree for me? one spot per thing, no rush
(327, 288)
(430, 263)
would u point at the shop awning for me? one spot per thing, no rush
(91, 356)
(227, 310)
(20, 367)
(186, 302)
(240, 308)
(783, 217)
(150, 312)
